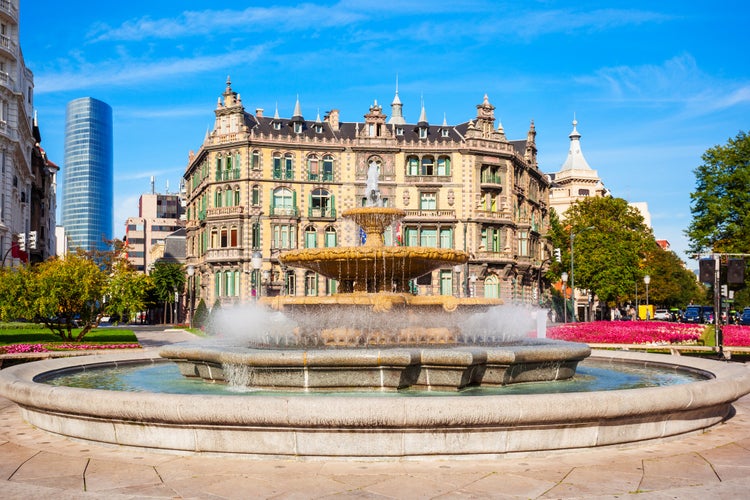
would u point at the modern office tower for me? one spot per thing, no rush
(88, 187)
(27, 178)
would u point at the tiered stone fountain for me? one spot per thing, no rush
(382, 336)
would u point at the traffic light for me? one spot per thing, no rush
(707, 270)
(32, 240)
(558, 256)
(724, 291)
(736, 271)
(22, 242)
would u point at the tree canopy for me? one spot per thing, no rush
(610, 242)
(720, 204)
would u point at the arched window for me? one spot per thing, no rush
(256, 195)
(313, 168)
(327, 168)
(321, 203)
(492, 287)
(224, 236)
(284, 202)
(428, 165)
(311, 237)
(444, 165)
(214, 238)
(228, 197)
(255, 160)
(311, 283)
(233, 237)
(330, 237)
(277, 167)
(412, 165)
(218, 198)
(288, 173)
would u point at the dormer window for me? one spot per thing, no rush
(400, 131)
(444, 132)
(423, 132)
(297, 127)
(277, 125)
(318, 128)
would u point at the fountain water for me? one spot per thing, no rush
(385, 337)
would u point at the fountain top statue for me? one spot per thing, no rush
(371, 190)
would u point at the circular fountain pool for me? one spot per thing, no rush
(371, 425)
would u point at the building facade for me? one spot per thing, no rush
(87, 207)
(27, 177)
(159, 215)
(270, 184)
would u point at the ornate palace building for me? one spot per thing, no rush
(260, 185)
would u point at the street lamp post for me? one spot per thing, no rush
(191, 289)
(457, 271)
(564, 278)
(647, 280)
(256, 262)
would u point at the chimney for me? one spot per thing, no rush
(259, 112)
(332, 117)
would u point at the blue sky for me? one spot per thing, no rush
(652, 84)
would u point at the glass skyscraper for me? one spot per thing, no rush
(87, 212)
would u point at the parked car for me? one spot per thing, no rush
(745, 316)
(708, 314)
(662, 315)
(693, 314)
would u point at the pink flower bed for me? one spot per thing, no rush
(627, 332)
(736, 335)
(26, 348)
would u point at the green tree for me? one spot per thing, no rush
(672, 285)
(720, 204)
(127, 290)
(167, 277)
(65, 292)
(611, 241)
(200, 317)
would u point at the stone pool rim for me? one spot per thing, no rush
(375, 427)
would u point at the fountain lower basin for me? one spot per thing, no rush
(374, 427)
(418, 367)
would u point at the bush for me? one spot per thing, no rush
(200, 315)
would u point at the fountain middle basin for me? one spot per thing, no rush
(300, 425)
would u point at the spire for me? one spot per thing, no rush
(445, 120)
(297, 111)
(397, 109)
(276, 113)
(575, 159)
(422, 122)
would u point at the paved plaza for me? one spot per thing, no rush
(37, 464)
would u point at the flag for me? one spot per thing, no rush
(362, 236)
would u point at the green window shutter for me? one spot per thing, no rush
(294, 202)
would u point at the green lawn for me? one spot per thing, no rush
(37, 334)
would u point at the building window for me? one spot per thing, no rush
(523, 243)
(297, 127)
(255, 195)
(446, 282)
(277, 125)
(291, 282)
(490, 175)
(330, 237)
(328, 168)
(277, 165)
(224, 237)
(412, 168)
(255, 160)
(214, 238)
(428, 201)
(284, 236)
(233, 237)
(321, 203)
(446, 237)
(313, 168)
(428, 165)
(492, 239)
(423, 132)
(311, 237)
(218, 198)
(583, 192)
(284, 202)
(288, 166)
(444, 132)
(444, 165)
(492, 287)
(311, 283)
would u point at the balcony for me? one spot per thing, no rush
(431, 215)
(228, 175)
(226, 211)
(8, 9)
(322, 213)
(284, 212)
(224, 254)
(493, 257)
(503, 216)
(428, 179)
